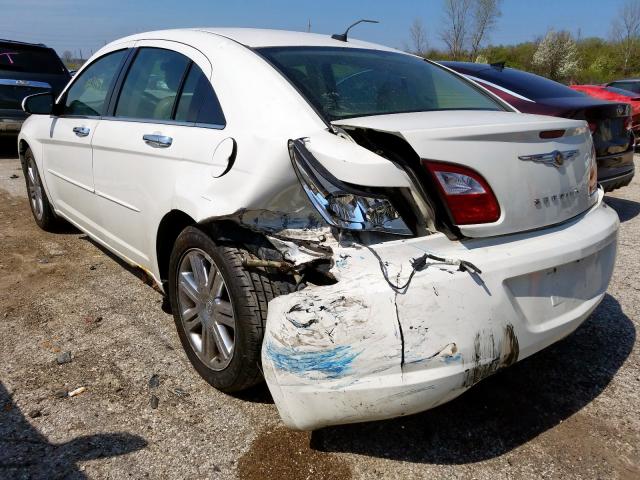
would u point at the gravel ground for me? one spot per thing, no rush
(73, 316)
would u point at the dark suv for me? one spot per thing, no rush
(610, 122)
(25, 69)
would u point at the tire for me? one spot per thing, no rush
(38, 201)
(247, 293)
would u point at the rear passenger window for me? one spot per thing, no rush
(198, 102)
(152, 83)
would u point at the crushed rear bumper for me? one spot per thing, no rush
(362, 349)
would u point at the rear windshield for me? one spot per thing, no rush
(630, 86)
(349, 82)
(30, 60)
(526, 84)
(620, 91)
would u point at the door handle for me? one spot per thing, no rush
(81, 131)
(157, 141)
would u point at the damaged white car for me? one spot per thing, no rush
(371, 231)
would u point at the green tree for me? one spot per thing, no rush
(556, 56)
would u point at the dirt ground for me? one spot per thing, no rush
(571, 411)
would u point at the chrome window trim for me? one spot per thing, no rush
(163, 122)
(88, 117)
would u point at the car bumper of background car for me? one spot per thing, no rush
(361, 350)
(10, 126)
(636, 134)
(615, 171)
(617, 179)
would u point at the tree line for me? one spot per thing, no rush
(560, 55)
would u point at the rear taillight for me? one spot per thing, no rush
(466, 193)
(593, 171)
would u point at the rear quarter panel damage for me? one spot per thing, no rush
(363, 326)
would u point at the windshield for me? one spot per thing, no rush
(19, 58)
(349, 82)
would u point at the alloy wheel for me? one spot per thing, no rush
(35, 189)
(205, 309)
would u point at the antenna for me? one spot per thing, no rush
(343, 36)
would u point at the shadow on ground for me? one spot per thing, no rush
(137, 272)
(626, 209)
(25, 453)
(506, 410)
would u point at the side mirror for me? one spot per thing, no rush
(39, 104)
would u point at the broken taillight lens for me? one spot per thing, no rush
(341, 205)
(466, 193)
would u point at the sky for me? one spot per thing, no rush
(89, 24)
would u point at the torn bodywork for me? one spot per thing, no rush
(382, 324)
(393, 337)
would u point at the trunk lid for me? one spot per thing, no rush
(504, 148)
(607, 120)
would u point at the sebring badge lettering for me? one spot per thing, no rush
(552, 199)
(555, 158)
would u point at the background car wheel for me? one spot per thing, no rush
(220, 308)
(40, 206)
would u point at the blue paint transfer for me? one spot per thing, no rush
(333, 362)
(452, 358)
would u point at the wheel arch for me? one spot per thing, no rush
(169, 228)
(221, 230)
(23, 145)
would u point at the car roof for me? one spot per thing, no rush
(259, 37)
(470, 66)
(16, 42)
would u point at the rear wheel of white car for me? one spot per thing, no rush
(38, 201)
(220, 308)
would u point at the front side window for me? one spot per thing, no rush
(88, 94)
(151, 87)
(198, 102)
(350, 82)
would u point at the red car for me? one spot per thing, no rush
(616, 95)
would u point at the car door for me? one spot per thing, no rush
(166, 118)
(67, 153)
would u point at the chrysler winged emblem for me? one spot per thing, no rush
(555, 158)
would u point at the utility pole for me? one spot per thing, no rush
(309, 25)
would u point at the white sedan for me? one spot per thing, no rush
(371, 231)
